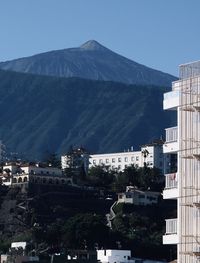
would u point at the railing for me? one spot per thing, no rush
(176, 85)
(171, 226)
(171, 134)
(171, 95)
(171, 181)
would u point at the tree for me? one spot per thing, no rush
(53, 160)
(101, 176)
(85, 230)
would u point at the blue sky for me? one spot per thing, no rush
(158, 33)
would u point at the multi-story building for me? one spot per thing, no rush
(119, 160)
(16, 174)
(149, 154)
(183, 184)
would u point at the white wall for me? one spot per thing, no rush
(40, 170)
(113, 256)
(116, 160)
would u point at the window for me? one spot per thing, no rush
(151, 198)
(107, 160)
(137, 158)
(94, 161)
(100, 161)
(113, 160)
(119, 166)
(126, 159)
(119, 160)
(132, 158)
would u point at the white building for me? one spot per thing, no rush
(120, 256)
(151, 154)
(118, 161)
(17, 254)
(15, 173)
(137, 197)
(75, 159)
(184, 184)
(114, 256)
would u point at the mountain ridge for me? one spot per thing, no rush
(90, 61)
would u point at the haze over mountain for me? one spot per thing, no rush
(91, 61)
(47, 114)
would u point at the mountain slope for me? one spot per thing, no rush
(47, 114)
(90, 61)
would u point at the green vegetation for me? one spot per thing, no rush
(144, 178)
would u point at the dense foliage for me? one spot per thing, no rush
(144, 178)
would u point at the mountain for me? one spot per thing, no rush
(42, 114)
(90, 61)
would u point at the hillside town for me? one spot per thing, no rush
(165, 156)
(99, 131)
(174, 157)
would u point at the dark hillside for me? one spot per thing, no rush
(47, 114)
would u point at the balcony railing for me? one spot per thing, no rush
(171, 226)
(171, 181)
(176, 85)
(171, 134)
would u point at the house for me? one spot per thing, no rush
(138, 197)
(114, 256)
(17, 254)
(120, 256)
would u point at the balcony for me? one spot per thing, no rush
(171, 186)
(171, 236)
(171, 100)
(171, 143)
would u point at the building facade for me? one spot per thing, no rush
(118, 161)
(114, 256)
(149, 154)
(184, 184)
(138, 197)
(75, 159)
(15, 174)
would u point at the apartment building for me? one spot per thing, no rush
(183, 184)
